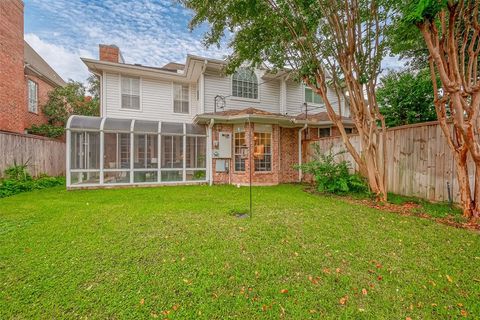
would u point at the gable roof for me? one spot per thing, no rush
(35, 64)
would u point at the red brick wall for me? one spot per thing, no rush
(109, 53)
(288, 154)
(284, 156)
(43, 89)
(12, 83)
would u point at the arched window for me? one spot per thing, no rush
(245, 84)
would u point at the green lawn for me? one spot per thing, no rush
(177, 252)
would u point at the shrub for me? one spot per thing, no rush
(18, 180)
(18, 172)
(46, 130)
(333, 176)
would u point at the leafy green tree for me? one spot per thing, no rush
(406, 97)
(340, 42)
(68, 100)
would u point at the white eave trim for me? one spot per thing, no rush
(99, 66)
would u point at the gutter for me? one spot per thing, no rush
(300, 131)
(209, 151)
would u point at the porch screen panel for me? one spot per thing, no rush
(196, 151)
(145, 148)
(116, 151)
(85, 150)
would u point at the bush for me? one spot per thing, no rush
(333, 176)
(18, 180)
(46, 130)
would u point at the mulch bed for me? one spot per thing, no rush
(405, 209)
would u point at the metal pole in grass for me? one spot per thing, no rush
(250, 161)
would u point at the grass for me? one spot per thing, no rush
(434, 209)
(178, 253)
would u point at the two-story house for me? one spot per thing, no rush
(191, 123)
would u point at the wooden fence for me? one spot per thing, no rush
(419, 161)
(43, 155)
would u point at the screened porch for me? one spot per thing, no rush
(109, 151)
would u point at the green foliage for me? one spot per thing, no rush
(18, 180)
(18, 172)
(68, 100)
(296, 34)
(333, 176)
(46, 130)
(420, 10)
(406, 97)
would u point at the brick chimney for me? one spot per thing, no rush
(110, 53)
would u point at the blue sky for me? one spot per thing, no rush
(148, 32)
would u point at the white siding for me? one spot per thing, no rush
(156, 101)
(269, 94)
(295, 100)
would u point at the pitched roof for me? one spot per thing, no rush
(321, 116)
(240, 112)
(35, 63)
(173, 66)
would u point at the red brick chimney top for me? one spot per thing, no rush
(110, 53)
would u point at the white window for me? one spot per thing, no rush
(262, 152)
(180, 98)
(312, 97)
(130, 93)
(32, 96)
(240, 148)
(245, 84)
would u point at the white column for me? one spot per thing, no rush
(132, 158)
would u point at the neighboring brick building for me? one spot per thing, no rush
(25, 78)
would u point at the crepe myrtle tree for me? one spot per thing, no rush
(451, 32)
(339, 43)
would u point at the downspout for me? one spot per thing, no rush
(300, 131)
(209, 152)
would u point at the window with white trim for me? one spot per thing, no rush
(130, 93)
(245, 84)
(262, 152)
(240, 148)
(32, 96)
(312, 97)
(180, 98)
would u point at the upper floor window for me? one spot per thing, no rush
(245, 84)
(312, 97)
(32, 96)
(130, 93)
(180, 98)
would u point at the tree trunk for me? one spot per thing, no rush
(464, 184)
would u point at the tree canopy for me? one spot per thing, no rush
(406, 97)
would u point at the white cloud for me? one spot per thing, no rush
(65, 62)
(149, 32)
